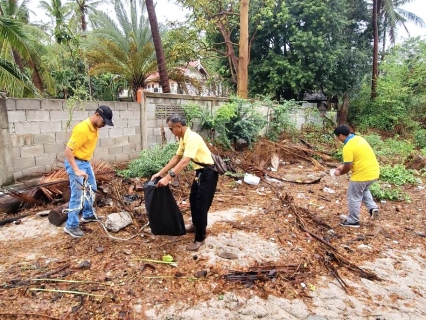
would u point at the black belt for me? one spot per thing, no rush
(80, 159)
(210, 166)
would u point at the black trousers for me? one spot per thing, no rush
(201, 197)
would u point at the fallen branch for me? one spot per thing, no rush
(9, 220)
(67, 291)
(172, 263)
(47, 275)
(332, 252)
(62, 280)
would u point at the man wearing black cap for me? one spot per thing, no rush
(78, 152)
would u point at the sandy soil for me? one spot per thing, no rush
(401, 294)
(247, 221)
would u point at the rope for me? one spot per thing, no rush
(89, 195)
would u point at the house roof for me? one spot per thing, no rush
(191, 65)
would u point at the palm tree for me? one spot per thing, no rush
(392, 16)
(161, 61)
(388, 15)
(81, 10)
(58, 13)
(22, 71)
(124, 47)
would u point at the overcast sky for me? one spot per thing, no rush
(418, 7)
(167, 9)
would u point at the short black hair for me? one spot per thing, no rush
(342, 130)
(176, 118)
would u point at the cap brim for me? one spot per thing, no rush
(108, 122)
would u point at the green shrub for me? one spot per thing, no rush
(392, 150)
(280, 120)
(420, 138)
(191, 112)
(397, 175)
(387, 192)
(238, 120)
(150, 161)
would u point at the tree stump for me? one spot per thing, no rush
(9, 204)
(56, 216)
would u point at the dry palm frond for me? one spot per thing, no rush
(23, 197)
(53, 184)
(103, 171)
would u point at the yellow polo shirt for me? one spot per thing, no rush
(84, 138)
(364, 163)
(193, 146)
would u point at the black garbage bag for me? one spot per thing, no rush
(163, 212)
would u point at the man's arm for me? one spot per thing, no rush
(172, 162)
(343, 169)
(70, 157)
(176, 168)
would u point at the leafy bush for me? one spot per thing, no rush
(192, 112)
(280, 121)
(420, 138)
(238, 120)
(401, 96)
(394, 150)
(150, 161)
(386, 192)
(397, 175)
(338, 155)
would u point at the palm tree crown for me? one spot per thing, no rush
(124, 47)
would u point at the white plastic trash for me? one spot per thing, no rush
(251, 179)
(329, 190)
(333, 177)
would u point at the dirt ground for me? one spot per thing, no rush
(274, 251)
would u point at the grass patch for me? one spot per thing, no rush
(150, 161)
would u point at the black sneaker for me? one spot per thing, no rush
(91, 219)
(349, 224)
(374, 214)
(74, 232)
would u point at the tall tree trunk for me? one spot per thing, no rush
(161, 61)
(230, 52)
(342, 114)
(35, 75)
(375, 52)
(242, 83)
(81, 7)
(18, 60)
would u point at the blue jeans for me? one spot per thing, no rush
(76, 184)
(359, 192)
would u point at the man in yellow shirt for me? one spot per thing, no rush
(192, 147)
(78, 152)
(358, 157)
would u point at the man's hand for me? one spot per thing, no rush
(81, 173)
(164, 181)
(336, 172)
(155, 175)
(343, 169)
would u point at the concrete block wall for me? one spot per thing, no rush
(156, 107)
(34, 132)
(39, 130)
